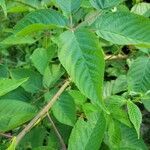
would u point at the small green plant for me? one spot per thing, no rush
(74, 74)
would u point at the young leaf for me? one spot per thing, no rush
(135, 116)
(103, 4)
(7, 85)
(14, 113)
(139, 75)
(88, 135)
(123, 28)
(69, 6)
(39, 20)
(84, 62)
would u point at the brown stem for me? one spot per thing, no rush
(57, 133)
(6, 135)
(115, 57)
(41, 114)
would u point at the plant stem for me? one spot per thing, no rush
(41, 114)
(6, 135)
(57, 133)
(115, 57)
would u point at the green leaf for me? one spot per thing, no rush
(4, 71)
(34, 83)
(104, 4)
(12, 145)
(115, 106)
(78, 97)
(120, 84)
(89, 109)
(114, 134)
(146, 101)
(13, 113)
(19, 94)
(3, 5)
(52, 74)
(36, 4)
(84, 63)
(64, 109)
(129, 140)
(115, 101)
(139, 75)
(123, 28)
(141, 9)
(88, 135)
(7, 85)
(40, 59)
(122, 116)
(69, 6)
(29, 139)
(14, 40)
(40, 20)
(135, 116)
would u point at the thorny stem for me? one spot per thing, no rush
(57, 133)
(41, 114)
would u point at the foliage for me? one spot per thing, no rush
(102, 47)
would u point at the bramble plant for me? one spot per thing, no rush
(74, 74)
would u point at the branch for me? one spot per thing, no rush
(115, 57)
(41, 114)
(6, 135)
(57, 133)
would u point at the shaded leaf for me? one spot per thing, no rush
(14, 113)
(130, 141)
(34, 82)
